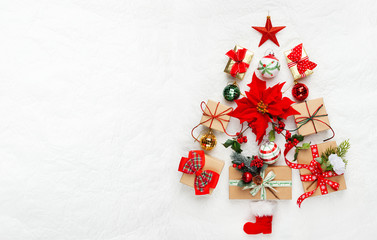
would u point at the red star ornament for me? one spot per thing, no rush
(268, 32)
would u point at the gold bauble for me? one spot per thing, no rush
(208, 141)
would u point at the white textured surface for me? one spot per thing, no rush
(97, 100)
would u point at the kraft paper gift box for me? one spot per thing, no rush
(247, 59)
(215, 108)
(283, 173)
(305, 157)
(293, 67)
(211, 163)
(320, 120)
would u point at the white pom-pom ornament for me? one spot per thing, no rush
(269, 66)
(269, 152)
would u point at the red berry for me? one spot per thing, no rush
(239, 166)
(242, 164)
(288, 135)
(238, 133)
(239, 140)
(234, 165)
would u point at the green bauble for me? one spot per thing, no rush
(231, 92)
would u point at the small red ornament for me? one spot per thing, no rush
(268, 32)
(300, 91)
(247, 177)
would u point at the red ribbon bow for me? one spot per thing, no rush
(317, 174)
(194, 165)
(239, 66)
(303, 64)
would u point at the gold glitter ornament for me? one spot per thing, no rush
(208, 141)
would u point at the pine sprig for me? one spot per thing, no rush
(325, 155)
(238, 159)
(343, 149)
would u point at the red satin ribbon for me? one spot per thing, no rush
(317, 174)
(204, 180)
(212, 116)
(314, 117)
(303, 64)
(239, 66)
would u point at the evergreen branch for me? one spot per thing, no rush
(343, 149)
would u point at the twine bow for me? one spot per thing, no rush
(239, 66)
(267, 183)
(213, 116)
(301, 121)
(302, 63)
(194, 165)
(317, 174)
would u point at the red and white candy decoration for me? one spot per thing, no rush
(269, 152)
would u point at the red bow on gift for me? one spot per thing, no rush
(193, 165)
(303, 64)
(317, 174)
(239, 66)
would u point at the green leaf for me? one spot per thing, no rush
(295, 156)
(319, 159)
(329, 168)
(298, 137)
(228, 143)
(304, 146)
(241, 184)
(271, 135)
(236, 146)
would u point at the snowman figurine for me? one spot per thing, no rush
(269, 66)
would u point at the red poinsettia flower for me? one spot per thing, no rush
(261, 106)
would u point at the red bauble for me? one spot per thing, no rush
(300, 91)
(247, 177)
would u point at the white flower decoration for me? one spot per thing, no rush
(337, 163)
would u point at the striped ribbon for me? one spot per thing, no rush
(267, 183)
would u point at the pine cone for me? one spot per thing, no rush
(258, 180)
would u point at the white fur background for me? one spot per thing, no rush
(98, 98)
